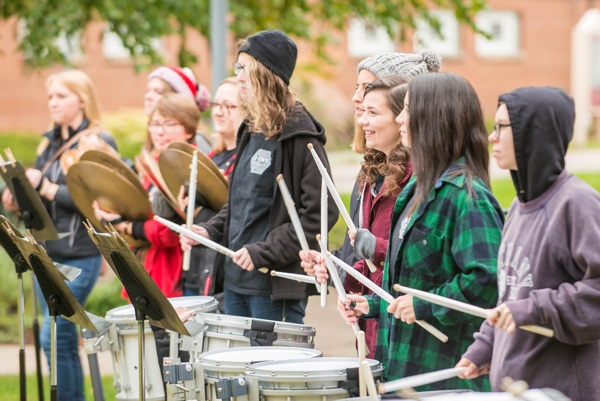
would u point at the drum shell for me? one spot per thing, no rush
(231, 363)
(125, 348)
(226, 331)
(292, 381)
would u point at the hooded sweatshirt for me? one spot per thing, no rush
(548, 263)
(280, 248)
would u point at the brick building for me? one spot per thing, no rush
(532, 46)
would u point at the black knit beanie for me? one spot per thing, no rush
(275, 50)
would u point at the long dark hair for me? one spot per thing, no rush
(393, 167)
(445, 124)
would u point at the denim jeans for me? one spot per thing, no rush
(288, 310)
(69, 375)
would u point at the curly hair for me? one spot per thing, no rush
(393, 167)
(269, 103)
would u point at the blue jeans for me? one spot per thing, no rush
(288, 310)
(69, 375)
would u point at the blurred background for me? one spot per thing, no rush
(498, 45)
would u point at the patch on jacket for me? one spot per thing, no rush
(260, 161)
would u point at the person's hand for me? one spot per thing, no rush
(186, 242)
(106, 217)
(243, 260)
(351, 315)
(321, 272)
(34, 176)
(472, 370)
(352, 236)
(8, 201)
(182, 199)
(402, 308)
(502, 318)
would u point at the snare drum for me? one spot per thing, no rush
(320, 379)
(225, 364)
(122, 340)
(226, 331)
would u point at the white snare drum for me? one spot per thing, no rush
(223, 364)
(545, 394)
(320, 379)
(122, 340)
(226, 331)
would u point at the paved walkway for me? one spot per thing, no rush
(345, 166)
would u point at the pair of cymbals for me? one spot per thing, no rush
(100, 176)
(174, 163)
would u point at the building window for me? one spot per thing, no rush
(113, 48)
(366, 39)
(426, 37)
(503, 27)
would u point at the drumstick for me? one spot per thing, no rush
(296, 277)
(368, 375)
(465, 308)
(191, 205)
(324, 232)
(198, 238)
(362, 380)
(336, 197)
(419, 380)
(339, 287)
(386, 296)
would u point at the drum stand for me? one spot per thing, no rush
(36, 341)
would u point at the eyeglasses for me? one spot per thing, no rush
(167, 126)
(238, 68)
(225, 108)
(496, 132)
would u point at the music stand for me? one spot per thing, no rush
(59, 297)
(33, 212)
(147, 299)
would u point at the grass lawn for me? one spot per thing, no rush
(9, 388)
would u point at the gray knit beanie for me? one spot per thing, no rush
(406, 64)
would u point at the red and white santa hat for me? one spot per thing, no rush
(183, 81)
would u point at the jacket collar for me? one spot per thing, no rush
(55, 133)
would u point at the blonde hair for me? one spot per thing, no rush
(80, 84)
(180, 108)
(220, 146)
(359, 144)
(269, 103)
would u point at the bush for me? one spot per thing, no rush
(104, 297)
(22, 144)
(129, 127)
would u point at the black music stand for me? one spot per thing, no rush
(147, 299)
(59, 297)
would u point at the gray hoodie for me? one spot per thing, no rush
(548, 263)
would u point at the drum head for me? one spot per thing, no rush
(249, 355)
(199, 304)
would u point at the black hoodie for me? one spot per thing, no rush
(279, 251)
(542, 124)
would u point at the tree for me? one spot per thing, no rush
(137, 22)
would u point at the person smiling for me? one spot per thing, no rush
(548, 265)
(445, 235)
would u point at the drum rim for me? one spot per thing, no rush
(264, 371)
(280, 327)
(203, 360)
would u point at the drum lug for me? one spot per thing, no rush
(233, 387)
(174, 372)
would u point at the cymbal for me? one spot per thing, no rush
(187, 148)
(114, 163)
(175, 168)
(89, 181)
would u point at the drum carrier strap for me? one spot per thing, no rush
(261, 333)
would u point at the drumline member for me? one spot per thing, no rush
(166, 80)
(174, 119)
(272, 140)
(446, 229)
(548, 265)
(203, 278)
(73, 106)
(369, 70)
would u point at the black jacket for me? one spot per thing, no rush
(293, 159)
(62, 209)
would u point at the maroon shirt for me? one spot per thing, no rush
(377, 217)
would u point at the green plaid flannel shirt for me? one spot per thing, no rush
(450, 248)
